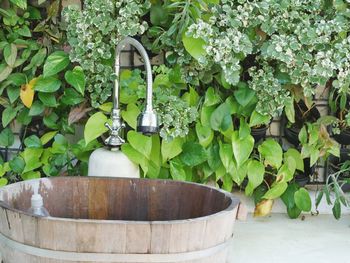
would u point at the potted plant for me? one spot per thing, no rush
(336, 184)
(246, 101)
(336, 164)
(303, 114)
(339, 103)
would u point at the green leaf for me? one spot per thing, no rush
(205, 134)
(135, 157)
(303, 135)
(23, 117)
(31, 175)
(227, 183)
(33, 141)
(20, 3)
(48, 137)
(286, 171)
(276, 191)
(48, 99)
(37, 60)
(336, 209)
(226, 155)
(214, 160)
(60, 145)
(171, 149)
(130, 115)
(244, 95)
(302, 200)
(211, 97)
(220, 119)
(295, 154)
(257, 119)
(31, 157)
(158, 15)
(49, 84)
(95, 127)
(242, 148)
(8, 115)
(141, 143)
(5, 71)
(17, 164)
(272, 153)
(193, 154)
(239, 173)
(244, 129)
(13, 93)
(55, 63)
(24, 31)
(206, 113)
(36, 109)
(194, 46)
(288, 195)
(6, 137)
(289, 110)
(319, 198)
(51, 120)
(17, 79)
(293, 212)
(10, 54)
(314, 155)
(177, 171)
(71, 97)
(155, 158)
(76, 78)
(256, 171)
(3, 182)
(191, 97)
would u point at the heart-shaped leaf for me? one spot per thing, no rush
(55, 63)
(76, 78)
(272, 152)
(242, 148)
(302, 199)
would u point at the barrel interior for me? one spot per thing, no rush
(118, 198)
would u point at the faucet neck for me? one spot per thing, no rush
(121, 46)
(148, 122)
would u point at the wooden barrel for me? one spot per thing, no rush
(118, 220)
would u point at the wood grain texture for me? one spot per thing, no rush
(117, 216)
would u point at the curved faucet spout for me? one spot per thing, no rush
(147, 122)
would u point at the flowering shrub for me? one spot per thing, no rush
(93, 34)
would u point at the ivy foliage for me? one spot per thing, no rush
(93, 35)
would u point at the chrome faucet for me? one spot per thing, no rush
(147, 121)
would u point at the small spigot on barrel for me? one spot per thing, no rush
(108, 162)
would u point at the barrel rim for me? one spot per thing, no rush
(234, 203)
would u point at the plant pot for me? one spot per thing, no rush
(343, 138)
(259, 133)
(334, 165)
(291, 135)
(303, 178)
(302, 115)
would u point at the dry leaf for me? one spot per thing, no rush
(77, 114)
(27, 93)
(263, 208)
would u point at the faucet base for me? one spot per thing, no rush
(112, 163)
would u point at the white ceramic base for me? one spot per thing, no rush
(106, 163)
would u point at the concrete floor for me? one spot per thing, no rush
(278, 239)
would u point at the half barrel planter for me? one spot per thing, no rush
(116, 220)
